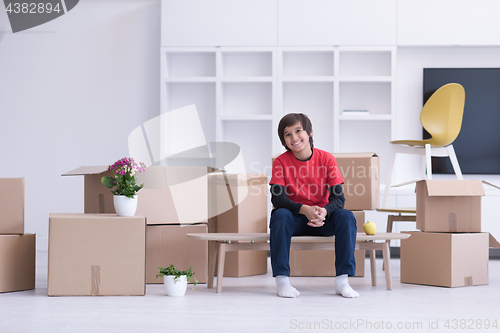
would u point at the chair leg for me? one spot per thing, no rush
(454, 162)
(428, 158)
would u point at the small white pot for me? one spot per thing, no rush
(175, 288)
(125, 206)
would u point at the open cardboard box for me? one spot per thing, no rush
(170, 195)
(449, 205)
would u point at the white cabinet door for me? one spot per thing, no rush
(219, 22)
(448, 22)
(336, 22)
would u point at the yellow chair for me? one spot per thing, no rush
(441, 116)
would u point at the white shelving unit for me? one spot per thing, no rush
(241, 93)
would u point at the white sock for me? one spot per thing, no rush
(343, 288)
(284, 288)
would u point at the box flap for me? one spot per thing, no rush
(494, 242)
(87, 170)
(492, 185)
(353, 155)
(239, 179)
(454, 188)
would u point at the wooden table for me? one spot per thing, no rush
(221, 243)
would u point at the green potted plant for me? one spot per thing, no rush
(175, 281)
(123, 184)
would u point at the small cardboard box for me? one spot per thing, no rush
(449, 205)
(168, 196)
(241, 200)
(168, 245)
(445, 259)
(12, 206)
(96, 254)
(361, 180)
(322, 262)
(17, 262)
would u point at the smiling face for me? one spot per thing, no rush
(297, 140)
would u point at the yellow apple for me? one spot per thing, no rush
(370, 228)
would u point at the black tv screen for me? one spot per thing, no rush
(478, 145)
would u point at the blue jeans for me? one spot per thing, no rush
(284, 225)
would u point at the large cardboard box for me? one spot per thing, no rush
(449, 205)
(445, 259)
(242, 201)
(322, 262)
(96, 254)
(17, 262)
(174, 194)
(12, 206)
(361, 180)
(170, 195)
(168, 245)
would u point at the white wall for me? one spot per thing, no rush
(71, 91)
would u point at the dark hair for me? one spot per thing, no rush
(291, 119)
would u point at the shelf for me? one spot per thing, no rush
(246, 117)
(308, 79)
(189, 64)
(246, 63)
(190, 79)
(247, 79)
(365, 63)
(368, 117)
(246, 98)
(308, 63)
(365, 79)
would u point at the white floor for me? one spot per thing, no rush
(250, 304)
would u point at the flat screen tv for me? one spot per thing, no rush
(478, 144)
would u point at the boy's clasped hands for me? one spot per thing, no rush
(315, 214)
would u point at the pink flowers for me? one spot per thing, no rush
(124, 178)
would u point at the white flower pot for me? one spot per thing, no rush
(125, 206)
(175, 288)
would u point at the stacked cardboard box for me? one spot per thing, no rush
(361, 191)
(17, 249)
(241, 200)
(450, 250)
(96, 255)
(174, 201)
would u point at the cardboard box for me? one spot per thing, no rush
(241, 200)
(97, 197)
(322, 262)
(449, 205)
(168, 245)
(168, 196)
(96, 254)
(445, 259)
(174, 194)
(361, 180)
(17, 262)
(12, 206)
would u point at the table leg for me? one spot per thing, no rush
(386, 255)
(212, 261)
(373, 267)
(221, 256)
